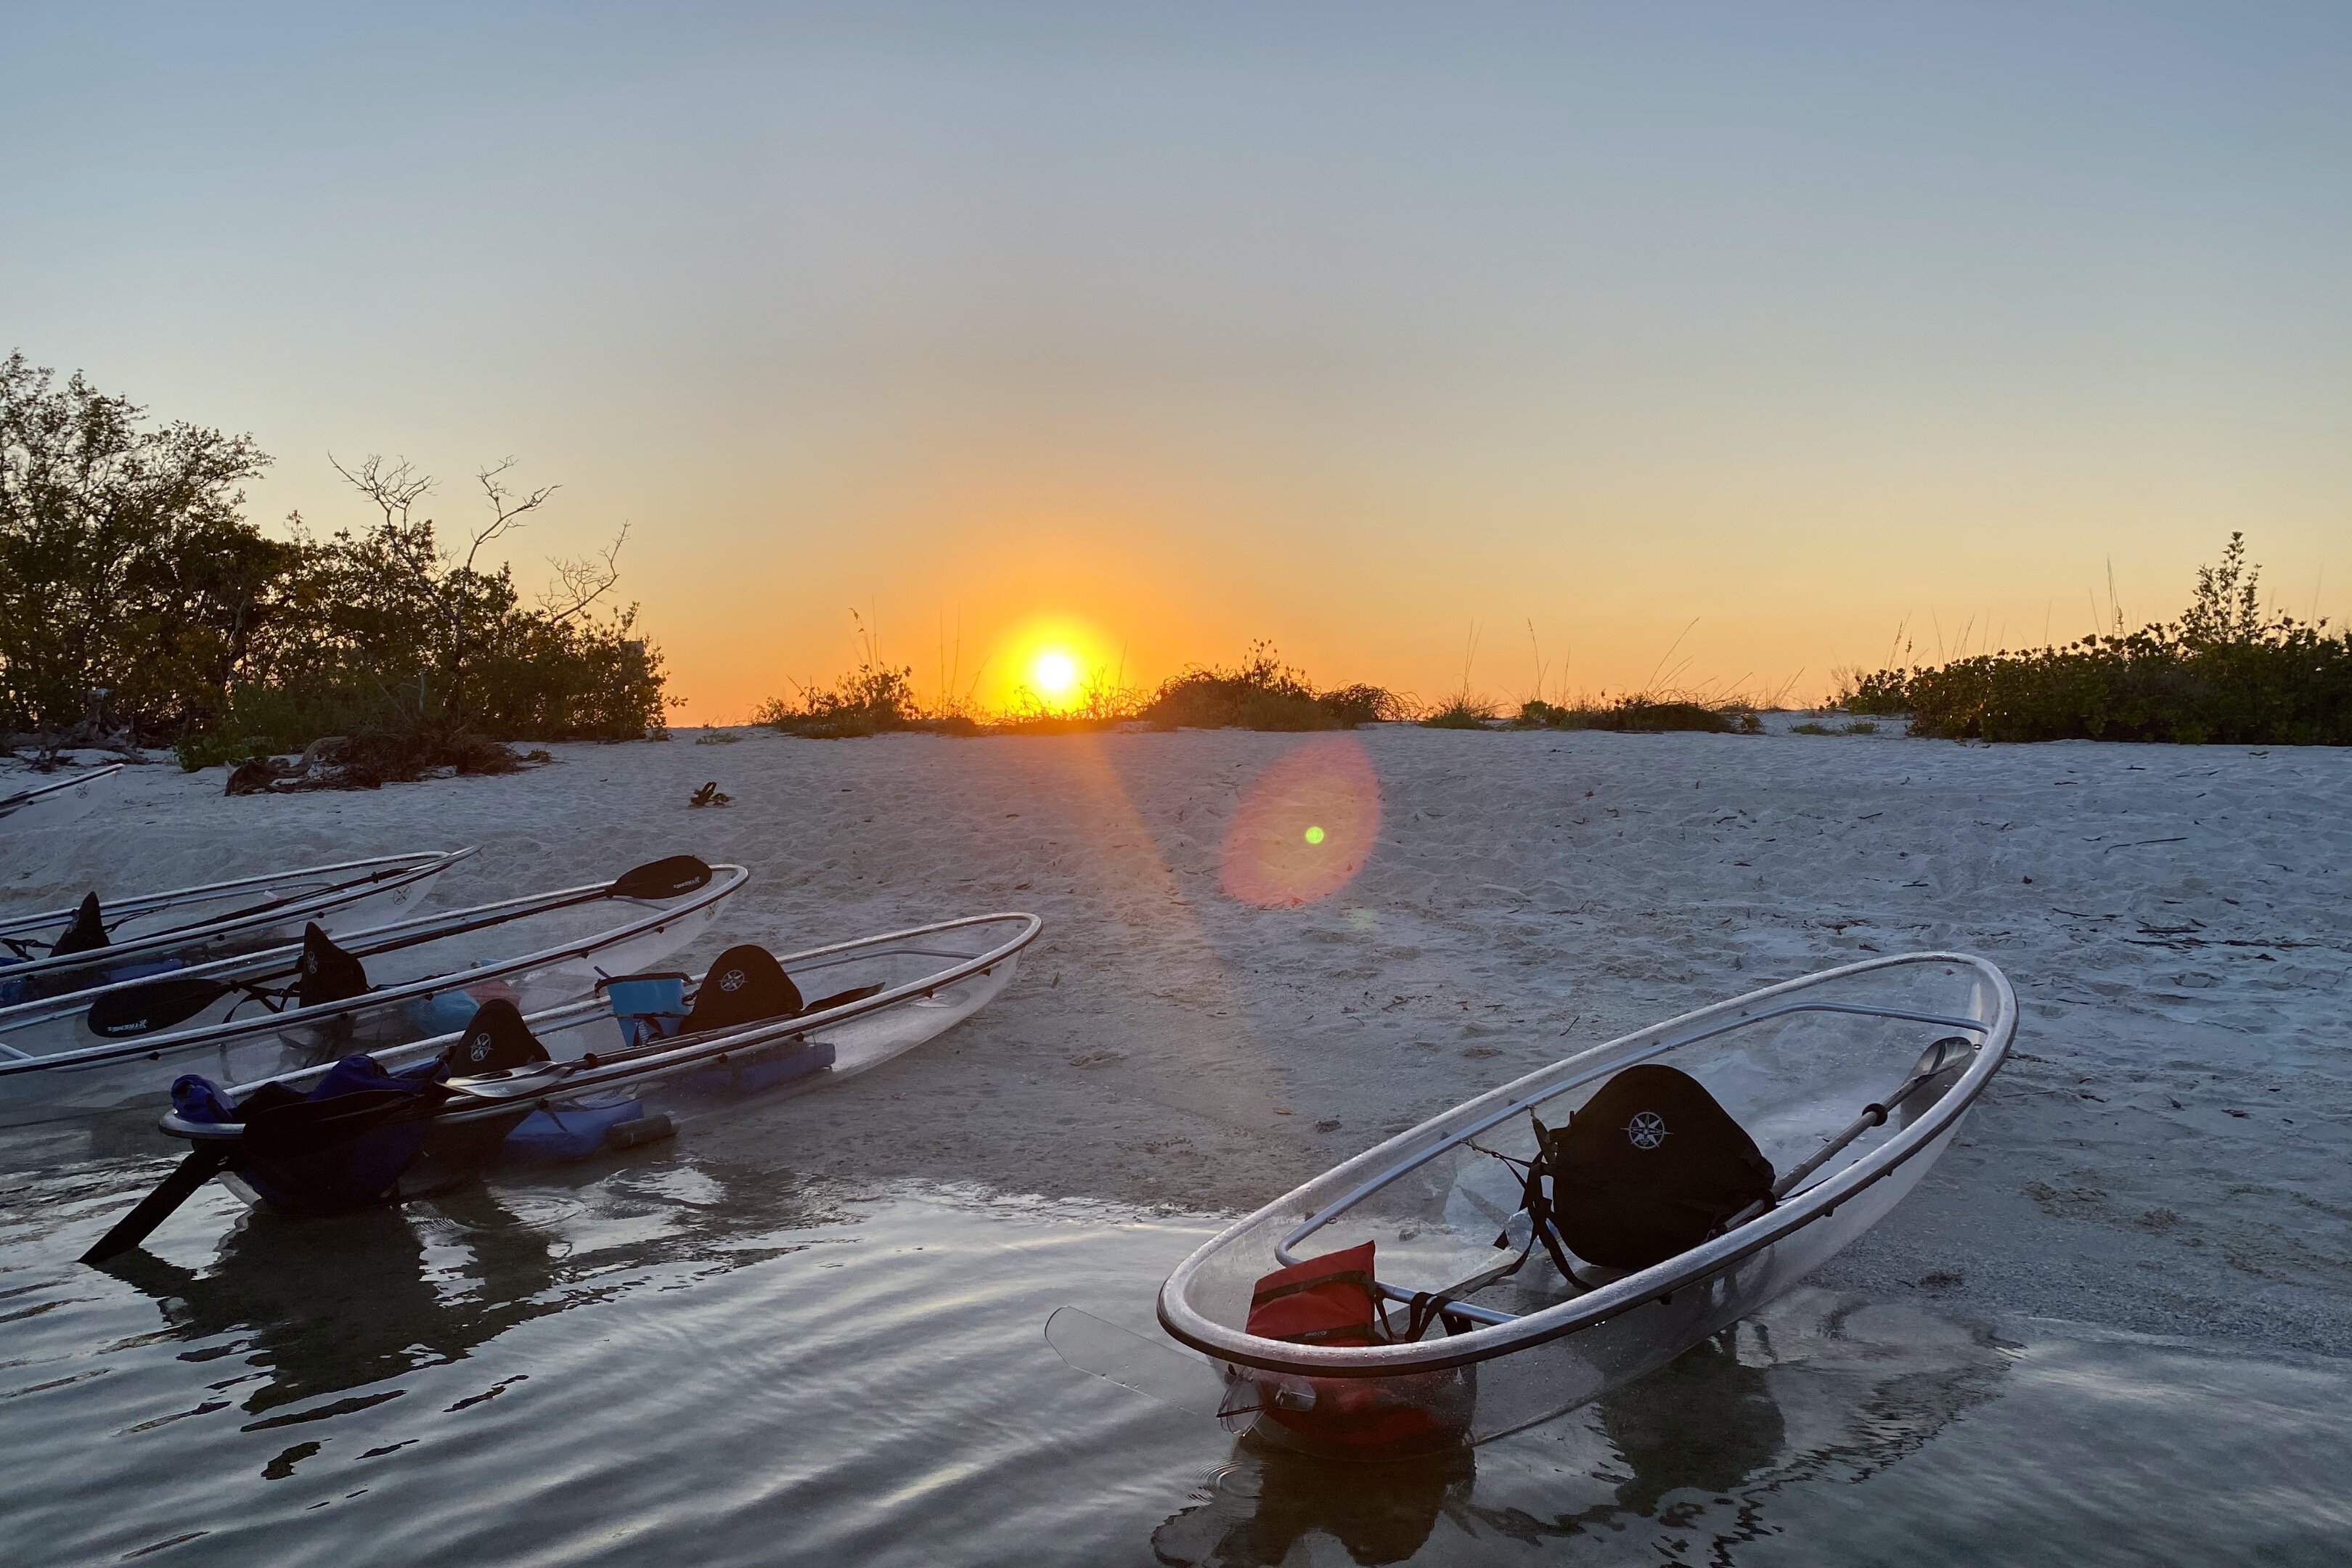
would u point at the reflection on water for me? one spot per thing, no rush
(322, 1306)
(1696, 1449)
(1270, 1498)
(1706, 1422)
(701, 1356)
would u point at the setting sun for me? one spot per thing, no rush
(1052, 663)
(1054, 673)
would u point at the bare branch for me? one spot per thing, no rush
(581, 581)
(394, 488)
(509, 507)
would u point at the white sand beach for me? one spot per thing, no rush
(2170, 1150)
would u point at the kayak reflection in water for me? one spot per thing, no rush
(344, 1303)
(1702, 1421)
(1703, 1445)
(323, 1306)
(1268, 1499)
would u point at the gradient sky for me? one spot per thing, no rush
(1354, 327)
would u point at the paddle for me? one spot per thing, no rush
(281, 1133)
(156, 1207)
(1938, 1058)
(664, 879)
(1153, 1368)
(158, 1004)
(161, 1004)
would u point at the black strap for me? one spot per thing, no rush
(1356, 1277)
(1429, 1307)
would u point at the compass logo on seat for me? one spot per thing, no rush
(731, 981)
(1646, 1130)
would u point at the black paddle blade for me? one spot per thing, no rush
(661, 878)
(156, 1207)
(158, 1004)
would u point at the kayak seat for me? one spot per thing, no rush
(86, 933)
(328, 972)
(496, 1040)
(745, 985)
(1649, 1167)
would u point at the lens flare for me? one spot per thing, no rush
(1305, 827)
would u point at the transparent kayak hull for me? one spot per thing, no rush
(193, 925)
(1795, 1065)
(428, 974)
(27, 803)
(921, 982)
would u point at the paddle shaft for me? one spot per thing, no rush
(174, 1190)
(1872, 1116)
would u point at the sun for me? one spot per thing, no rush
(1052, 663)
(1054, 673)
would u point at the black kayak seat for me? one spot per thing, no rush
(1649, 1167)
(86, 932)
(328, 972)
(745, 985)
(496, 1039)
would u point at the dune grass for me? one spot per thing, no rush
(1639, 715)
(2226, 672)
(1461, 712)
(1264, 693)
(1260, 693)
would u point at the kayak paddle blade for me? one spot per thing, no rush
(1149, 1367)
(1938, 1068)
(156, 1207)
(658, 880)
(158, 1004)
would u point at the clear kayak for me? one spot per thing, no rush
(249, 1017)
(625, 1069)
(99, 942)
(1510, 1259)
(53, 805)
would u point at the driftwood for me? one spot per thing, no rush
(47, 747)
(370, 760)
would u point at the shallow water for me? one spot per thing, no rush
(700, 1356)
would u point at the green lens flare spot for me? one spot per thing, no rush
(1314, 836)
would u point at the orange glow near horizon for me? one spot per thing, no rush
(1052, 663)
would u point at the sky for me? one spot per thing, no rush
(1716, 347)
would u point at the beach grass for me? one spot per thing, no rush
(1637, 715)
(1261, 692)
(1461, 712)
(2227, 672)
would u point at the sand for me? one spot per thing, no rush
(2166, 1151)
